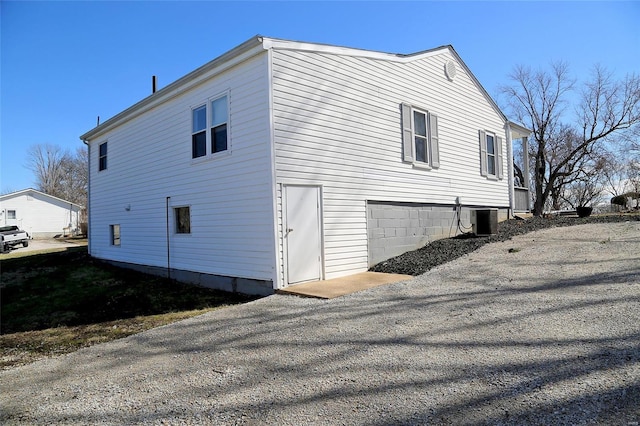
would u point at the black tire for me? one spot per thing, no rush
(25, 244)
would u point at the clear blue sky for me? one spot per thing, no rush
(65, 63)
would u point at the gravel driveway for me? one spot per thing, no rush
(542, 329)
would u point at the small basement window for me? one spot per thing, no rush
(182, 220)
(115, 235)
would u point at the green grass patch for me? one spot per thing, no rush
(60, 301)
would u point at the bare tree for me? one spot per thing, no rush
(613, 173)
(561, 150)
(46, 163)
(587, 184)
(60, 173)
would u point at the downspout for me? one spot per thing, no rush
(510, 171)
(88, 206)
(168, 247)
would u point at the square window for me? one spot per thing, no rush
(115, 235)
(102, 158)
(210, 127)
(11, 214)
(182, 220)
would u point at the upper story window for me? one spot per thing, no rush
(490, 155)
(199, 132)
(420, 137)
(102, 156)
(219, 118)
(210, 127)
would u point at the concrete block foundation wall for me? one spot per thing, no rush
(217, 282)
(395, 228)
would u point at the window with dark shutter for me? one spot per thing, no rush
(491, 157)
(420, 141)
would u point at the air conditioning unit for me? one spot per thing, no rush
(484, 221)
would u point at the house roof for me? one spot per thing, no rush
(252, 47)
(31, 190)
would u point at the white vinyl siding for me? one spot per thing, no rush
(338, 123)
(229, 196)
(39, 214)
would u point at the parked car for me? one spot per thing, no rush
(11, 236)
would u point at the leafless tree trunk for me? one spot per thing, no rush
(607, 108)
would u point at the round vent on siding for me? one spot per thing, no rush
(450, 70)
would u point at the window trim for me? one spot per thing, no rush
(210, 128)
(176, 224)
(102, 165)
(115, 242)
(485, 156)
(432, 149)
(215, 125)
(195, 133)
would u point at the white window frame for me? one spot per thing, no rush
(195, 132)
(495, 158)
(432, 148)
(112, 234)
(12, 214)
(209, 127)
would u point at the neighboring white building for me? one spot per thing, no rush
(40, 214)
(282, 162)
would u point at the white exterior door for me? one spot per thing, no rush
(302, 233)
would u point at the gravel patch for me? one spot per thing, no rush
(541, 329)
(445, 250)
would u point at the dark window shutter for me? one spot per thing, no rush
(434, 144)
(483, 153)
(407, 134)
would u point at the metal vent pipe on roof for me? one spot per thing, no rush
(154, 80)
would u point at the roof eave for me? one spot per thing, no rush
(238, 54)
